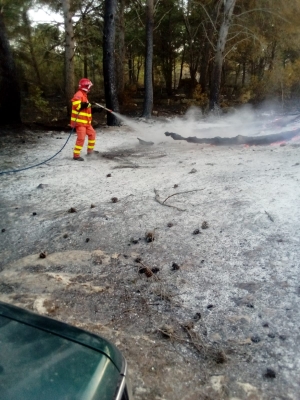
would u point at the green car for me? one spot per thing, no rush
(44, 359)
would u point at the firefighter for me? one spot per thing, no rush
(81, 119)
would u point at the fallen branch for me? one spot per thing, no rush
(162, 202)
(126, 166)
(246, 140)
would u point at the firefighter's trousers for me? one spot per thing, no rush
(82, 132)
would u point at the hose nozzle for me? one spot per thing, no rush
(107, 109)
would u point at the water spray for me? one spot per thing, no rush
(119, 116)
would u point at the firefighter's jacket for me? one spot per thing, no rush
(80, 117)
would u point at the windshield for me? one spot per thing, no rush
(38, 365)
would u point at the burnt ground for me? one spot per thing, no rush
(185, 256)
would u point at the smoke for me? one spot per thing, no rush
(244, 121)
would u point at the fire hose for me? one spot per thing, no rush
(107, 109)
(36, 165)
(43, 162)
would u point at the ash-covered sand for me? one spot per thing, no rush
(217, 317)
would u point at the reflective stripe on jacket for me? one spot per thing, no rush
(83, 117)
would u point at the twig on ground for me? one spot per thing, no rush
(269, 216)
(175, 194)
(171, 335)
(209, 352)
(164, 294)
(116, 200)
(195, 340)
(162, 203)
(126, 166)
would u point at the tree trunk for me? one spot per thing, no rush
(181, 65)
(204, 66)
(109, 72)
(84, 47)
(10, 102)
(121, 51)
(148, 103)
(193, 58)
(273, 53)
(167, 70)
(219, 55)
(69, 54)
(244, 74)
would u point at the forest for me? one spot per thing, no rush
(208, 53)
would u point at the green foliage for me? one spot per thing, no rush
(255, 91)
(283, 82)
(39, 103)
(200, 97)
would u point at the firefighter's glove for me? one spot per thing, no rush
(84, 105)
(96, 109)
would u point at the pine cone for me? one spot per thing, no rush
(148, 272)
(204, 225)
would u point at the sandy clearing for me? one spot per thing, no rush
(241, 274)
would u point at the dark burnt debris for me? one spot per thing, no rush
(155, 270)
(204, 225)
(196, 232)
(255, 339)
(240, 139)
(220, 357)
(114, 199)
(270, 373)
(43, 254)
(150, 236)
(146, 270)
(197, 316)
(144, 143)
(72, 210)
(175, 267)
